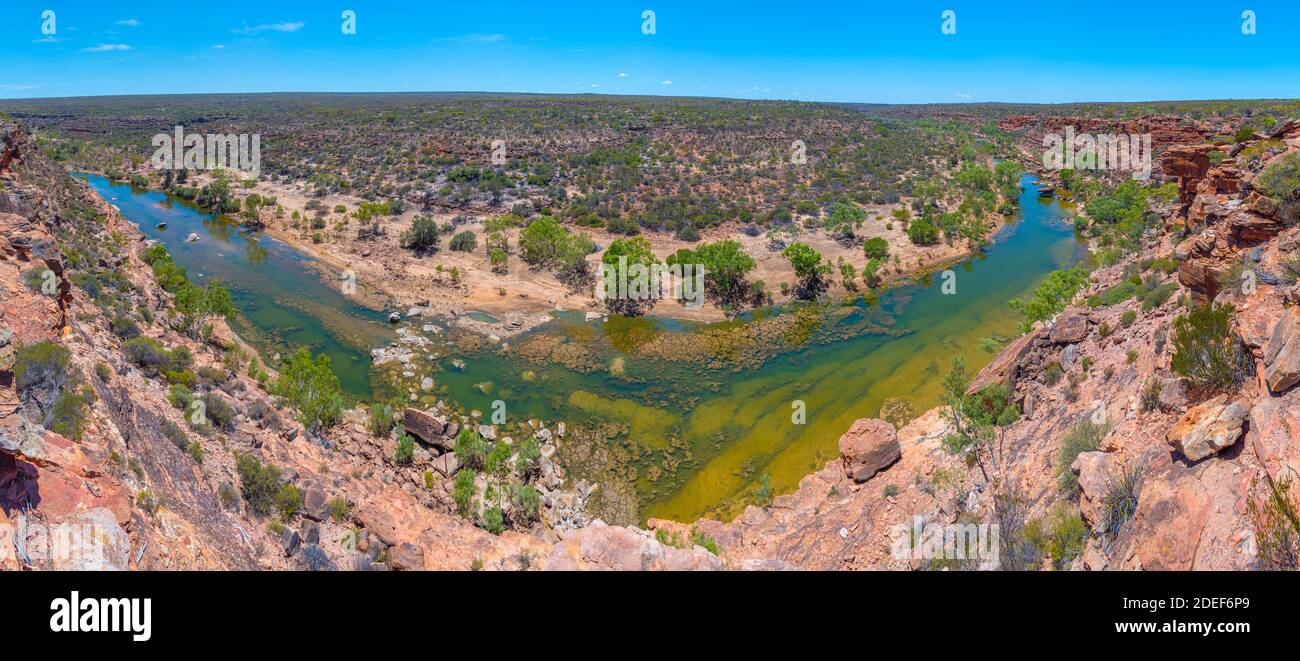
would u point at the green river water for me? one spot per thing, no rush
(699, 435)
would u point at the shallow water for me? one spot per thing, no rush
(282, 298)
(702, 438)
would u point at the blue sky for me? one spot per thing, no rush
(889, 52)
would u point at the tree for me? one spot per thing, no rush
(422, 236)
(809, 268)
(541, 243)
(977, 420)
(619, 259)
(726, 266)
(844, 219)
(312, 388)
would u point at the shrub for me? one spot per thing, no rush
(527, 456)
(922, 232)
(422, 236)
(1060, 534)
(471, 448)
(1051, 296)
(464, 241)
(103, 371)
(876, 248)
(381, 420)
(1281, 180)
(288, 500)
(218, 411)
(145, 353)
(229, 499)
(260, 484)
(196, 452)
(41, 374)
(68, 416)
(463, 492)
(494, 521)
(498, 461)
(405, 450)
(700, 539)
(1082, 437)
(527, 503)
(176, 435)
(1127, 318)
(179, 396)
(1277, 526)
(339, 508)
(1119, 503)
(1207, 353)
(125, 327)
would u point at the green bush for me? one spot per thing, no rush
(876, 248)
(179, 396)
(41, 374)
(1207, 353)
(463, 492)
(381, 420)
(339, 508)
(471, 449)
(288, 500)
(464, 241)
(422, 236)
(1061, 534)
(219, 411)
(527, 503)
(1051, 296)
(405, 450)
(145, 353)
(1082, 437)
(494, 521)
(1277, 526)
(1281, 180)
(1120, 502)
(260, 484)
(175, 434)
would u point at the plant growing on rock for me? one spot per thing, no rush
(1119, 503)
(405, 451)
(471, 448)
(1082, 437)
(260, 483)
(463, 492)
(1207, 353)
(1276, 524)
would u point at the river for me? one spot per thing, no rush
(699, 440)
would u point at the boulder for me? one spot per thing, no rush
(314, 504)
(867, 448)
(1006, 366)
(1282, 354)
(406, 557)
(290, 540)
(1208, 428)
(1070, 328)
(429, 428)
(446, 465)
(1096, 472)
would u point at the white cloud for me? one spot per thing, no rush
(595, 84)
(271, 27)
(129, 22)
(47, 40)
(19, 86)
(666, 82)
(622, 75)
(218, 46)
(474, 38)
(104, 48)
